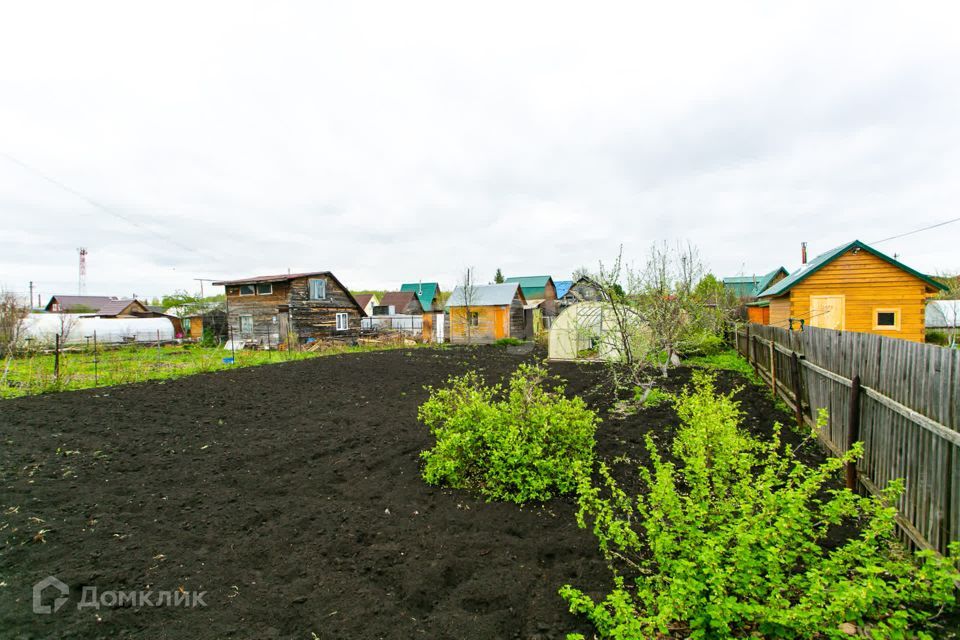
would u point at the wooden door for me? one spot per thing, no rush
(284, 327)
(828, 312)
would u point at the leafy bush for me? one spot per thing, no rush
(523, 442)
(935, 336)
(728, 543)
(704, 343)
(508, 342)
(650, 397)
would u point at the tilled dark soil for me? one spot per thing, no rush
(291, 495)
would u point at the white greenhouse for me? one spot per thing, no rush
(42, 329)
(588, 330)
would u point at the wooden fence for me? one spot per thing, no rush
(900, 398)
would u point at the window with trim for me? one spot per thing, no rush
(318, 289)
(246, 290)
(264, 289)
(246, 324)
(343, 321)
(886, 319)
(474, 318)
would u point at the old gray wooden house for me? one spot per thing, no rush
(290, 308)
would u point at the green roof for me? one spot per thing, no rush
(826, 258)
(533, 287)
(751, 286)
(426, 292)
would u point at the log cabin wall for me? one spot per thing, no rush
(518, 323)
(318, 318)
(263, 310)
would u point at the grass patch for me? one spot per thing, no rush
(34, 374)
(508, 342)
(728, 360)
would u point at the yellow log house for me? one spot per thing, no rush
(854, 287)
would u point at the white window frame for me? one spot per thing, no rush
(264, 284)
(253, 289)
(473, 319)
(311, 286)
(343, 321)
(240, 319)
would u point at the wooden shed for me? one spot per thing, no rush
(854, 287)
(427, 292)
(485, 314)
(289, 308)
(538, 290)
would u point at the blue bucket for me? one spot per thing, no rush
(228, 361)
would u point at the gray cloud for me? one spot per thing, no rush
(394, 143)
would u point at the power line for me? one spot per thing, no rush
(910, 233)
(99, 205)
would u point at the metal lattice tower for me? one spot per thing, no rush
(82, 278)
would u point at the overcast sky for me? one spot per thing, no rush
(402, 141)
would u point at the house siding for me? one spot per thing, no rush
(306, 318)
(867, 283)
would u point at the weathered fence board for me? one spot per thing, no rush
(907, 418)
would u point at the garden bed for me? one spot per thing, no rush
(291, 494)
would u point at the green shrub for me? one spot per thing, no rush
(935, 336)
(727, 542)
(508, 342)
(523, 442)
(652, 398)
(704, 344)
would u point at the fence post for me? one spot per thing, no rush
(96, 373)
(56, 357)
(853, 430)
(749, 343)
(798, 405)
(773, 368)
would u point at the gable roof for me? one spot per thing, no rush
(399, 300)
(285, 277)
(488, 295)
(826, 258)
(533, 287)
(89, 302)
(426, 291)
(533, 282)
(363, 298)
(751, 286)
(116, 307)
(562, 287)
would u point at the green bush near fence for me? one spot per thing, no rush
(728, 542)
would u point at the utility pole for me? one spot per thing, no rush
(31, 294)
(201, 281)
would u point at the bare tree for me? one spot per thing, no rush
(468, 290)
(13, 316)
(669, 303)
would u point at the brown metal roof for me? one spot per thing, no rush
(363, 298)
(399, 300)
(278, 278)
(90, 302)
(116, 307)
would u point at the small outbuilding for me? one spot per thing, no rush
(428, 293)
(539, 291)
(583, 289)
(367, 301)
(486, 313)
(749, 287)
(854, 287)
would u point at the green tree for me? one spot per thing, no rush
(498, 277)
